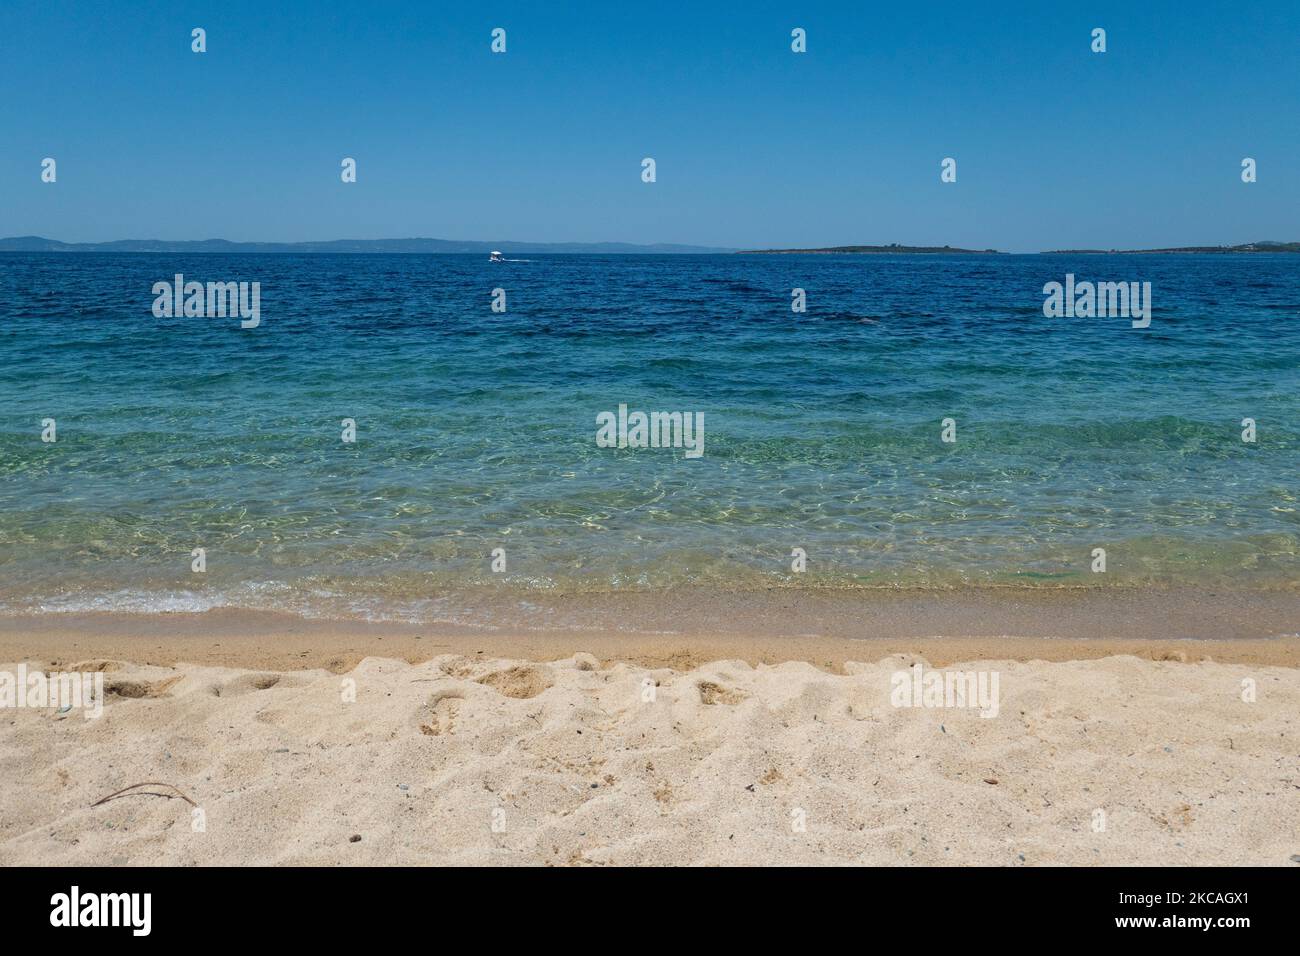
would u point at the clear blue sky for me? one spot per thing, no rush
(755, 145)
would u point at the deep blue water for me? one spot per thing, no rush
(476, 429)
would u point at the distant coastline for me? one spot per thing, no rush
(1247, 247)
(891, 249)
(895, 249)
(475, 247)
(351, 246)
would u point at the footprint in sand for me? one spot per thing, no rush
(251, 683)
(439, 716)
(520, 682)
(140, 689)
(711, 693)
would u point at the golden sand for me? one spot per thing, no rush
(469, 758)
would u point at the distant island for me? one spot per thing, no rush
(1248, 247)
(869, 250)
(38, 244)
(474, 247)
(894, 248)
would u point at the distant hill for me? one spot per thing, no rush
(38, 244)
(1248, 247)
(868, 250)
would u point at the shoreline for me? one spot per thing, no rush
(690, 627)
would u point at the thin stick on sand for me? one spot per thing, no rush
(123, 792)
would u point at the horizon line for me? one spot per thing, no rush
(34, 244)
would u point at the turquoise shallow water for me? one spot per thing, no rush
(476, 429)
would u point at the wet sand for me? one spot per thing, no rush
(684, 628)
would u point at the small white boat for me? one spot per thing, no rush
(496, 257)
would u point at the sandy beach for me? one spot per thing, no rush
(806, 435)
(331, 744)
(683, 628)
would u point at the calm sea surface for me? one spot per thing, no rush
(476, 430)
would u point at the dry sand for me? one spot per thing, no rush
(468, 758)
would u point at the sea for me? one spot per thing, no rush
(922, 424)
